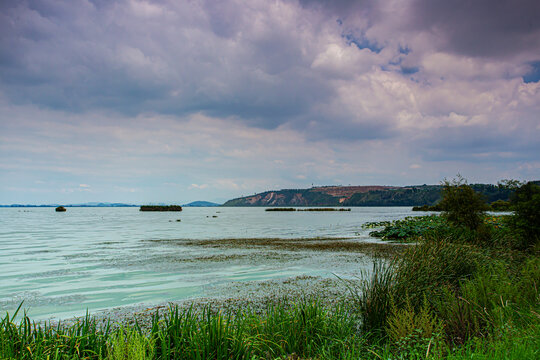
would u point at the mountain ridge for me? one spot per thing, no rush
(370, 195)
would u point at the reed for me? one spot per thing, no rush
(306, 329)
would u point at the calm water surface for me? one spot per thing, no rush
(61, 264)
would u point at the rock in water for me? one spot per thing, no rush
(60, 209)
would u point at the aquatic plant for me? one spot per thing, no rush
(325, 209)
(160, 208)
(405, 230)
(280, 209)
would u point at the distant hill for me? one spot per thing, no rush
(90, 204)
(201, 204)
(416, 195)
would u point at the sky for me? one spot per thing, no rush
(175, 101)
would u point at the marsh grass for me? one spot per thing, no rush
(306, 329)
(477, 288)
(30, 340)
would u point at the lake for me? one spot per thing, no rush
(62, 264)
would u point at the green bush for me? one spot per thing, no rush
(526, 221)
(461, 205)
(500, 205)
(409, 329)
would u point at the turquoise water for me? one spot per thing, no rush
(62, 264)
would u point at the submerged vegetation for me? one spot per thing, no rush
(308, 209)
(325, 209)
(467, 287)
(160, 208)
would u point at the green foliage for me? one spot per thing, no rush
(160, 208)
(129, 344)
(528, 282)
(374, 298)
(405, 230)
(432, 266)
(306, 329)
(325, 209)
(526, 222)
(500, 205)
(28, 340)
(436, 207)
(462, 205)
(407, 196)
(410, 329)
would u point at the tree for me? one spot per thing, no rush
(510, 184)
(461, 205)
(526, 219)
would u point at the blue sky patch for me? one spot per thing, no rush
(408, 70)
(362, 43)
(534, 74)
(404, 50)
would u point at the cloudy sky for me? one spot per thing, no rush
(173, 101)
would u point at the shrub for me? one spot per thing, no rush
(526, 221)
(408, 328)
(461, 205)
(500, 205)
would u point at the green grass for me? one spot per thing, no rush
(306, 329)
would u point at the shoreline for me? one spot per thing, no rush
(252, 296)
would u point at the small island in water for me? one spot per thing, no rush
(160, 208)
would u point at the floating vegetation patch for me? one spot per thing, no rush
(314, 244)
(325, 209)
(160, 208)
(405, 230)
(309, 209)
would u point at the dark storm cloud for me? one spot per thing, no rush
(135, 57)
(501, 28)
